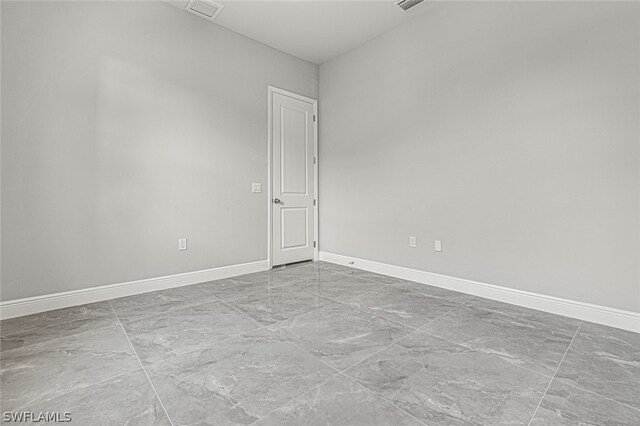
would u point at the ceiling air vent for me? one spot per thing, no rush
(408, 4)
(204, 8)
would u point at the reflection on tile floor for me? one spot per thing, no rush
(317, 344)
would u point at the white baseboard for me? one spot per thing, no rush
(48, 302)
(612, 317)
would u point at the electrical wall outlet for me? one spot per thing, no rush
(412, 241)
(182, 244)
(256, 187)
(437, 245)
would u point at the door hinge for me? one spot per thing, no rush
(314, 202)
(314, 244)
(314, 160)
(314, 117)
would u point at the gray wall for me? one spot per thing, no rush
(126, 126)
(509, 131)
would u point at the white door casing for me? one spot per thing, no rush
(293, 183)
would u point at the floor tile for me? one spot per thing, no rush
(333, 267)
(278, 304)
(43, 319)
(339, 286)
(606, 361)
(31, 335)
(236, 381)
(280, 275)
(127, 399)
(340, 401)
(214, 362)
(227, 291)
(383, 279)
(566, 405)
(432, 291)
(565, 323)
(300, 274)
(247, 284)
(309, 266)
(403, 306)
(184, 330)
(442, 383)
(340, 335)
(146, 305)
(39, 372)
(516, 340)
(256, 277)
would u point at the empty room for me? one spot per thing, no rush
(320, 212)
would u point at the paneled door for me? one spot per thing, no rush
(293, 145)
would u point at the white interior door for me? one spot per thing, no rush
(293, 185)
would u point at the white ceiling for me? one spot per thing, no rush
(314, 30)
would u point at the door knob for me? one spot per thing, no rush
(277, 200)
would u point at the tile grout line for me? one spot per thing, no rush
(301, 281)
(457, 305)
(385, 399)
(258, 322)
(391, 344)
(608, 398)
(304, 313)
(60, 337)
(305, 290)
(28, 404)
(338, 373)
(165, 359)
(262, 326)
(394, 343)
(342, 373)
(234, 336)
(292, 344)
(55, 323)
(399, 285)
(554, 374)
(268, 287)
(380, 287)
(228, 303)
(506, 314)
(166, 413)
(196, 304)
(359, 362)
(462, 305)
(546, 376)
(295, 398)
(28, 329)
(413, 329)
(467, 302)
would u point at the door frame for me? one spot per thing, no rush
(271, 91)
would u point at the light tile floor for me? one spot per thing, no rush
(317, 344)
